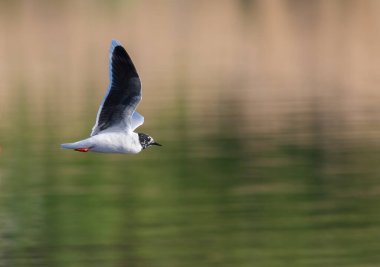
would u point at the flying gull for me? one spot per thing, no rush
(117, 117)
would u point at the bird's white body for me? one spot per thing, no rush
(109, 142)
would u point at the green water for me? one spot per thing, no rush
(217, 199)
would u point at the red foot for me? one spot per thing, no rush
(84, 149)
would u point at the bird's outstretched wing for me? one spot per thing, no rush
(123, 94)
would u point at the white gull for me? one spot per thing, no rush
(117, 117)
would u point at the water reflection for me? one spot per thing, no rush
(270, 152)
(205, 200)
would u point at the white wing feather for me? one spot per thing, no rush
(136, 120)
(114, 43)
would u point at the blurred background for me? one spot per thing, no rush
(268, 111)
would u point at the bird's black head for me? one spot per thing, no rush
(146, 140)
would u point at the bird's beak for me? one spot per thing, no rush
(156, 144)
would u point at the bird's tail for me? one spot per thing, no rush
(69, 146)
(79, 144)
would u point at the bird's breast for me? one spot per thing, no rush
(115, 143)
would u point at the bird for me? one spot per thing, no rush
(117, 117)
